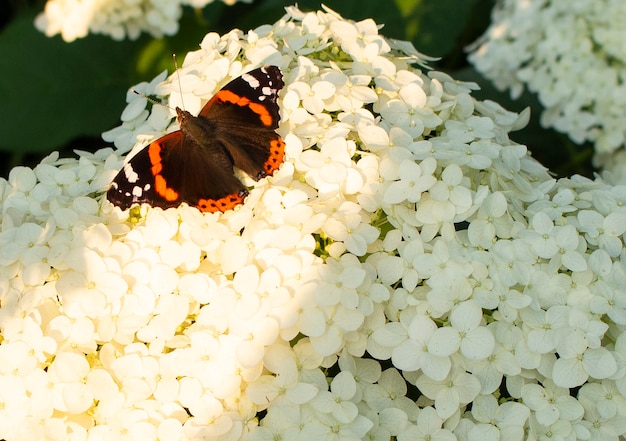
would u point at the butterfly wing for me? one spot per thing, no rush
(173, 169)
(248, 115)
(135, 182)
(195, 164)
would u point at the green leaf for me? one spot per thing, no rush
(383, 12)
(53, 91)
(436, 26)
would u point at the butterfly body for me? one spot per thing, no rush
(237, 127)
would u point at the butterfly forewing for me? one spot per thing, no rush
(247, 121)
(257, 90)
(130, 186)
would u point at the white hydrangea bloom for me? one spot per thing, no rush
(571, 54)
(407, 261)
(118, 19)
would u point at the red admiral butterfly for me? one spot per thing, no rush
(195, 164)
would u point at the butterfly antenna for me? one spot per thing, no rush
(180, 84)
(152, 100)
(180, 87)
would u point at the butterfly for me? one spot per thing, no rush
(237, 127)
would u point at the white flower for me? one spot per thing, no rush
(409, 111)
(67, 18)
(577, 362)
(465, 334)
(67, 375)
(427, 428)
(331, 327)
(347, 226)
(603, 231)
(561, 430)
(403, 225)
(413, 180)
(541, 237)
(329, 169)
(117, 18)
(447, 198)
(389, 392)
(89, 286)
(334, 430)
(490, 221)
(551, 403)
(601, 428)
(545, 328)
(559, 205)
(507, 301)
(457, 389)
(568, 240)
(605, 396)
(413, 353)
(338, 400)
(313, 96)
(501, 362)
(290, 422)
(609, 300)
(497, 422)
(511, 263)
(15, 403)
(540, 46)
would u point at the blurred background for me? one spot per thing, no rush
(56, 95)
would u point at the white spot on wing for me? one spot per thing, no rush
(130, 174)
(251, 80)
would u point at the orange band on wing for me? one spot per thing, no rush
(277, 155)
(227, 96)
(160, 184)
(154, 152)
(226, 203)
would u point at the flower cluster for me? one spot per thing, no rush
(571, 54)
(116, 18)
(408, 272)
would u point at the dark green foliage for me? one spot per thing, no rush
(59, 96)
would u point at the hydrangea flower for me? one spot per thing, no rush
(118, 19)
(571, 54)
(331, 304)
